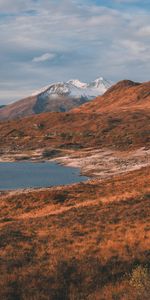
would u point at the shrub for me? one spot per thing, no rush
(50, 153)
(140, 280)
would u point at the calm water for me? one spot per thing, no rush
(27, 174)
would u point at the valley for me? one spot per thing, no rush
(75, 150)
(89, 240)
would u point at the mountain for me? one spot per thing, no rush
(75, 89)
(120, 119)
(57, 97)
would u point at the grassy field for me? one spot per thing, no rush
(84, 241)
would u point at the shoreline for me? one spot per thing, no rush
(96, 164)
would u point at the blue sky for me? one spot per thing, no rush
(44, 41)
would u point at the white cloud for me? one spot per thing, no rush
(144, 31)
(7, 6)
(44, 57)
(134, 47)
(127, 1)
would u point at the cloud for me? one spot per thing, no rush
(44, 57)
(70, 38)
(134, 47)
(144, 31)
(7, 6)
(128, 1)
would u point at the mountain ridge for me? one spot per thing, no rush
(56, 97)
(97, 87)
(121, 95)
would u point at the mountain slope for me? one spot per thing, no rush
(121, 96)
(57, 97)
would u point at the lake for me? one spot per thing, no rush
(18, 175)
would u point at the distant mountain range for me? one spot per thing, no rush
(56, 97)
(76, 89)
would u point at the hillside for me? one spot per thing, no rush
(37, 104)
(85, 241)
(121, 96)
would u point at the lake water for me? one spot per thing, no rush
(18, 175)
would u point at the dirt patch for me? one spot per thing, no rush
(103, 163)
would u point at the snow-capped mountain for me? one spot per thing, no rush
(76, 89)
(56, 97)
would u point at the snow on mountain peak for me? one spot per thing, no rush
(99, 79)
(75, 88)
(77, 83)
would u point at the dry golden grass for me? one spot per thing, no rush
(76, 242)
(123, 130)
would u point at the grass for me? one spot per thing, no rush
(122, 129)
(83, 241)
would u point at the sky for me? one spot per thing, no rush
(45, 41)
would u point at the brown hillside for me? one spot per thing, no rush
(37, 104)
(22, 107)
(78, 242)
(124, 95)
